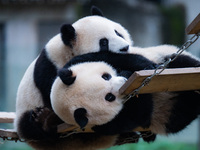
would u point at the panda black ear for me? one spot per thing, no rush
(66, 76)
(68, 34)
(96, 11)
(80, 117)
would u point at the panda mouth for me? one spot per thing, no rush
(125, 49)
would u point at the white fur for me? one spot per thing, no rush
(28, 96)
(88, 91)
(89, 31)
(93, 28)
(157, 53)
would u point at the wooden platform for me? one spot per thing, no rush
(194, 26)
(7, 117)
(169, 80)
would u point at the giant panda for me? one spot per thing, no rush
(89, 34)
(162, 113)
(48, 120)
(78, 86)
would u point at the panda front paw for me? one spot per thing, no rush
(46, 118)
(40, 114)
(152, 66)
(148, 136)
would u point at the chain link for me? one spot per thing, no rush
(135, 138)
(163, 66)
(11, 139)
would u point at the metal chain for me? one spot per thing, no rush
(11, 139)
(162, 66)
(135, 139)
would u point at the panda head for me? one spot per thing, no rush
(95, 33)
(87, 94)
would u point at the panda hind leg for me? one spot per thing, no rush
(148, 136)
(37, 124)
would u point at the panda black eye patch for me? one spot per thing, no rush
(106, 76)
(110, 97)
(104, 44)
(119, 34)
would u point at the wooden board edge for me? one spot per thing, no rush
(194, 26)
(139, 76)
(7, 117)
(8, 133)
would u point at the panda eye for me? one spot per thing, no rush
(110, 97)
(106, 76)
(119, 34)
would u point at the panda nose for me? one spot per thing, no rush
(125, 49)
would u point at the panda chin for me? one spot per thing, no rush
(125, 49)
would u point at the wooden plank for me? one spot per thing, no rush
(62, 128)
(7, 117)
(194, 26)
(180, 79)
(8, 133)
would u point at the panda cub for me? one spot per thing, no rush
(88, 97)
(162, 113)
(89, 34)
(78, 93)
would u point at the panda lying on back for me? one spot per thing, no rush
(163, 113)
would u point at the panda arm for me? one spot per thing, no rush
(129, 62)
(184, 61)
(39, 124)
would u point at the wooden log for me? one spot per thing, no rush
(8, 133)
(62, 128)
(194, 26)
(7, 117)
(181, 79)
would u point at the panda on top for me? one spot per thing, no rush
(162, 113)
(89, 34)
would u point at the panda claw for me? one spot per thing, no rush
(39, 114)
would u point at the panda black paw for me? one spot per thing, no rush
(46, 118)
(129, 137)
(40, 114)
(152, 66)
(148, 136)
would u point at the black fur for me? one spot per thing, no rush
(121, 62)
(39, 124)
(44, 75)
(104, 44)
(66, 76)
(185, 110)
(183, 61)
(68, 34)
(187, 103)
(137, 111)
(80, 117)
(96, 11)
